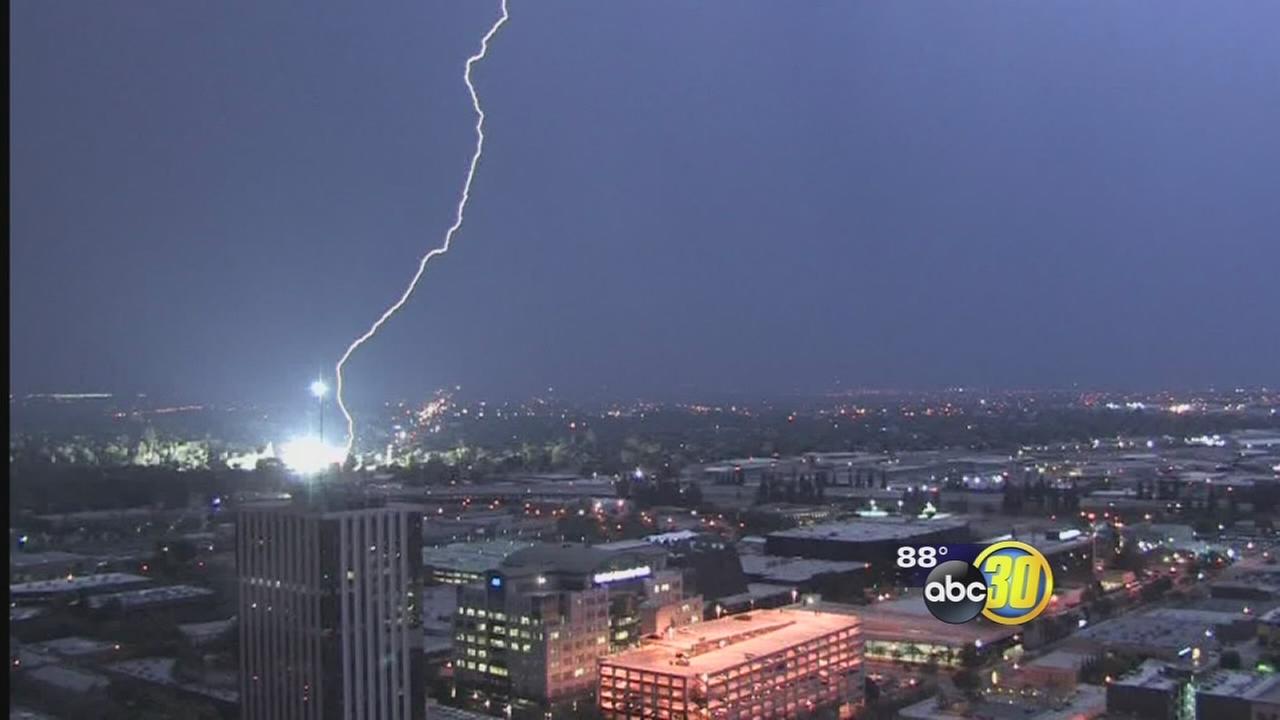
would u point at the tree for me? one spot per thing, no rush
(871, 690)
(762, 493)
(914, 653)
(693, 495)
(897, 654)
(1156, 590)
(1131, 559)
(789, 492)
(1097, 670)
(970, 657)
(967, 681)
(580, 525)
(1103, 607)
(1091, 593)
(175, 553)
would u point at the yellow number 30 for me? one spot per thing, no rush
(1019, 582)
(1015, 582)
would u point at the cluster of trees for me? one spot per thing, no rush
(966, 677)
(1156, 590)
(59, 489)
(755, 522)
(1040, 497)
(582, 524)
(661, 489)
(671, 493)
(1109, 665)
(148, 450)
(795, 490)
(1130, 558)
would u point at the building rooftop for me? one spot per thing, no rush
(149, 596)
(25, 658)
(1086, 701)
(76, 583)
(19, 614)
(1151, 630)
(583, 559)
(717, 645)
(1200, 617)
(159, 670)
(847, 458)
(872, 530)
(1059, 660)
(790, 571)
(69, 679)
(1150, 675)
(476, 557)
(20, 713)
(568, 557)
(908, 620)
(671, 537)
(73, 646)
(640, 548)
(756, 592)
(206, 630)
(1254, 574)
(98, 515)
(1239, 684)
(20, 560)
(744, 464)
(575, 488)
(436, 711)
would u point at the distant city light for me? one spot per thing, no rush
(308, 455)
(319, 389)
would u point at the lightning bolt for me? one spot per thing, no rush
(448, 236)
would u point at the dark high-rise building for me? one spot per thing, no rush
(329, 618)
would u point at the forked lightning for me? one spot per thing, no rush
(448, 237)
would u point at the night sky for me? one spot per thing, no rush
(213, 198)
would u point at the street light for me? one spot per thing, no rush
(319, 390)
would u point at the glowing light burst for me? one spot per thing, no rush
(309, 455)
(448, 236)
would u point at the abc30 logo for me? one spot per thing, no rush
(1009, 583)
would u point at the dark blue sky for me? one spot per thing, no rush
(216, 197)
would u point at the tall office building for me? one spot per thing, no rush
(329, 618)
(529, 636)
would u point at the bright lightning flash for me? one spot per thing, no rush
(448, 236)
(308, 455)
